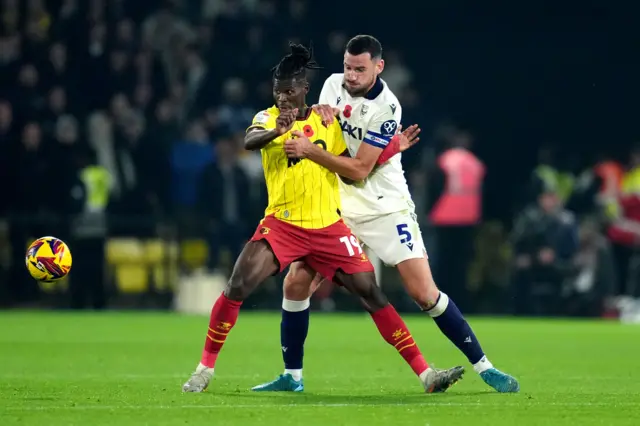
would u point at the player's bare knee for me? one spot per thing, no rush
(237, 287)
(296, 287)
(424, 293)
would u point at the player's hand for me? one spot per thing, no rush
(327, 113)
(298, 147)
(409, 137)
(400, 142)
(285, 120)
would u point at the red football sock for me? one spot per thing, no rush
(395, 332)
(223, 317)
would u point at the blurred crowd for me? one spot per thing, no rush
(137, 109)
(128, 114)
(575, 243)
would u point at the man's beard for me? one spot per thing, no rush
(359, 92)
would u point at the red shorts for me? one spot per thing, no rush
(326, 250)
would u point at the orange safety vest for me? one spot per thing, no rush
(611, 174)
(461, 203)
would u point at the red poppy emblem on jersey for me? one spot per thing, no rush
(347, 111)
(308, 131)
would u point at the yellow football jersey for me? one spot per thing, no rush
(301, 192)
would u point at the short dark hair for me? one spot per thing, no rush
(296, 63)
(365, 44)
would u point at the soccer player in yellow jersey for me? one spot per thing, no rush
(302, 222)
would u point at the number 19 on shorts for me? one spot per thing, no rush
(352, 245)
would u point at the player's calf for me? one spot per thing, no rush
(391, 327)
(254, 265)
(419, 283)
(294, 327)
(363, 284)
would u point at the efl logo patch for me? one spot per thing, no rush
(388, 128)
(261, 118)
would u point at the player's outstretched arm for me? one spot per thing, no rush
(356, 168)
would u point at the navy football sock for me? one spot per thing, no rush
(293, 333)
(453, 325)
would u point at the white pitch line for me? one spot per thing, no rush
(316, 405)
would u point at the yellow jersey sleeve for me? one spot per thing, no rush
(338, 146)
(265, 119)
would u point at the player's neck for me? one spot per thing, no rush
(303, 113)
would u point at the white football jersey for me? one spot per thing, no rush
(371, 119)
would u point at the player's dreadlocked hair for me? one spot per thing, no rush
(296, 63)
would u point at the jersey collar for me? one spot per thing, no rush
(377, 88)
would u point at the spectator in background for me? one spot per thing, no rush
(90, 193)
(8, 145)
(11, 48)
(160, 136)
(68, 26)
(166, 34)
(234, 113)
(136, 198)
(7, 126)
(57, 71)
(96, 58)
(38, 21)
(593, 277)
(125, 35)
(27, 96)
(56, 107)
(149, 72)
(624, 229)
(223, 204)
(396, 74)
(121, 76)
(189, 158)
(457, 188)
(551, 176)
(196, 76)
(545, 240)
(142, 99)
(30, 201)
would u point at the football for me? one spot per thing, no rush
(48, 259)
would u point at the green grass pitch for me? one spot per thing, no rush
(128, 368)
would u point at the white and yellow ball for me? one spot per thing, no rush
(48, 259)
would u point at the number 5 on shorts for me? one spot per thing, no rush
(351, 243)
(405, 235)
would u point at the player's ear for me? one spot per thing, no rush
(306, 88)
(380, 66)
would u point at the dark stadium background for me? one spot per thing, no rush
(515, 77)
(117, 118)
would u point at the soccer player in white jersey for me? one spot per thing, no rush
(378, 209)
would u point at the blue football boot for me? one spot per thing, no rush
(502, 382)
(282, 383)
